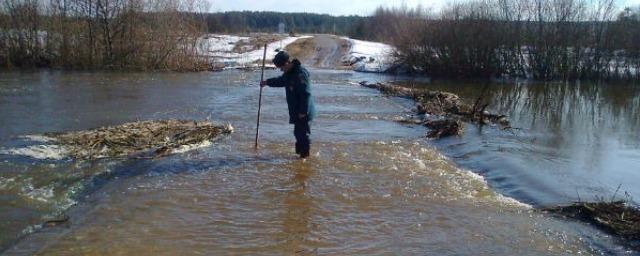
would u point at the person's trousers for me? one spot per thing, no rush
(302, 131)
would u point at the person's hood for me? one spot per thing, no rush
(296, 65)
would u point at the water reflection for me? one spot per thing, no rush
(296, 219)
(571, 139)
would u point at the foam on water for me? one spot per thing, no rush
(42, 152)
(460, 183)
(42, 194)
(6, 183)
(189, 147)
(50, 194)
(38, 138)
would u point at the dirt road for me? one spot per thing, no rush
(321, 51)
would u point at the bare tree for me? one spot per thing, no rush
(541, 39)
(104, 34)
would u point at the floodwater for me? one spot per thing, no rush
(570, 142)
(371, 187)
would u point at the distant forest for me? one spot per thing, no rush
(247, 21)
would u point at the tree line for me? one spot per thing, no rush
(252, 21)
(539, 39)
(136, 34)
(100, 34)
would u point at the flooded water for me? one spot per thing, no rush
(371, 187)
(572, 142)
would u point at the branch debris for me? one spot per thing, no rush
(449, 110)
(157, 137)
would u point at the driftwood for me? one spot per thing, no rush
(438, 103)
(443, 104)
(59, 220)
(158, 137)
(428, 102)
(615, 217)
(444, 128)
(391, 89)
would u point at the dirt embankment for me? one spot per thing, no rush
(302, 49)
(321, 51)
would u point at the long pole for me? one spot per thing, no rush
(264, 56)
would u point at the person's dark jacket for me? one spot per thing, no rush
(298, 90)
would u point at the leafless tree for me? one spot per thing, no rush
(101, 34)
(541, 39)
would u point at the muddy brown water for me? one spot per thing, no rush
(371, 187)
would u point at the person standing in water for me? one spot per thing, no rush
(295, 80)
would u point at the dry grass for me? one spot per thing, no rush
(256, 42)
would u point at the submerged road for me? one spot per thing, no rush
(328, 52)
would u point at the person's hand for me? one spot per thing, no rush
(263, 83)
(301, 116)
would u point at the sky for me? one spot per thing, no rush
(334, 7)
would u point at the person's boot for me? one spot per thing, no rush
(298, 150)
(304, 154)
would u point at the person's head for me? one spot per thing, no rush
(281, 60)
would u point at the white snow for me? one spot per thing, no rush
(368, 56)
(220, 49)
(218, 43)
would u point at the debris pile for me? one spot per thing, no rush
(444, 128)
(155, 137)
(448, 108)
(391, 89)
(616, 217)
(438, 103)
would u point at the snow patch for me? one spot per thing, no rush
(218, 43)
(220, 49)
(367, 56)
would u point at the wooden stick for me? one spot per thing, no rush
(264, 56)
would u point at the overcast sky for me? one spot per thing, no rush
(333, 7)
